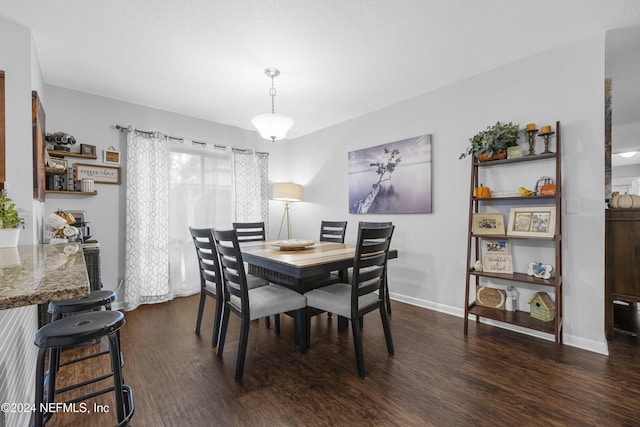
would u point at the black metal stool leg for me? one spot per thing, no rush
(39, 415)
(114, 349)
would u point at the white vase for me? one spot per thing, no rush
(9, 237)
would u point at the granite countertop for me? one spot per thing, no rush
(40, 274)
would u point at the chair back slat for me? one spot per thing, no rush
(208, 260)
(235, 280)
(250, 231)
(365, 224)
(333, 231)
(370, 260)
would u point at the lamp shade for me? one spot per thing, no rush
(272, 126)
(287, 191)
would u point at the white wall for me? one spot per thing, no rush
(90, 119)
(565, 84)
(18, 326)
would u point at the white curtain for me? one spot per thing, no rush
(147, 220)
(172, 186)
(251, 183)
(201, 191)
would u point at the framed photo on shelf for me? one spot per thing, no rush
(111, 156)
(487, 223)
(496, 256)
(58, 161)
(88, 149)
(532, 221)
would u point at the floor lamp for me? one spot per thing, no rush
(287, 192)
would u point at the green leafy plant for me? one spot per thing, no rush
(493, 140)
(9, 217)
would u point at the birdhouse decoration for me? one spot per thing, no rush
(542, 307)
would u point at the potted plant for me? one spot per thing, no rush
(487, 144)
(10, 222)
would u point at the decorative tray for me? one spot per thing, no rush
(293, 244)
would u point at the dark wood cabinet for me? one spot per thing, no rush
(622, 261)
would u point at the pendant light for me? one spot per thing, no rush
(271, 125)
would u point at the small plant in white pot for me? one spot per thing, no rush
(10, 222)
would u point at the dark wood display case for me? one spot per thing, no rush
(622, 262)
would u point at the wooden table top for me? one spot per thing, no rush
(318, 254)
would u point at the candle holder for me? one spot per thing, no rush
(532, 141)
(546, 136)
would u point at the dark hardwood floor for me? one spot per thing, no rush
(438, 377)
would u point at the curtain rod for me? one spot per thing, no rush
(193, 141)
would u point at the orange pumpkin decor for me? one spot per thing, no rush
(482, 192)
(548, 190)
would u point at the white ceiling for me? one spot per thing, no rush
(339, 58)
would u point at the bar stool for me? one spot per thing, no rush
(73, 306)
(74, 330)
(95, 299)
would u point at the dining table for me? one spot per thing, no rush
(308, 266)
(303, 265)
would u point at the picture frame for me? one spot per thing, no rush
(100, 174)
(514, 152)
(58, 161)
(111, 157)
(87, 149)
(538, 221)
(539, 270)
(382, 179)
(487, 223)
(496, 256)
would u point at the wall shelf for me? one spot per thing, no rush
(72, 193)
(59, 153)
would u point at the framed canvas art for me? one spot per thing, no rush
(393, 178)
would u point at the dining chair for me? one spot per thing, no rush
(251, 304)
(255, 232)
(353, 301)
(250, 231)
(210, 278)
(333, 231)
(385, 284)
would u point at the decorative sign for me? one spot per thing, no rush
(98, 173)
(496, 257)
(111, 156)
(514, 152)
(490, 297)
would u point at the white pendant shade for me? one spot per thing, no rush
(272, 126)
